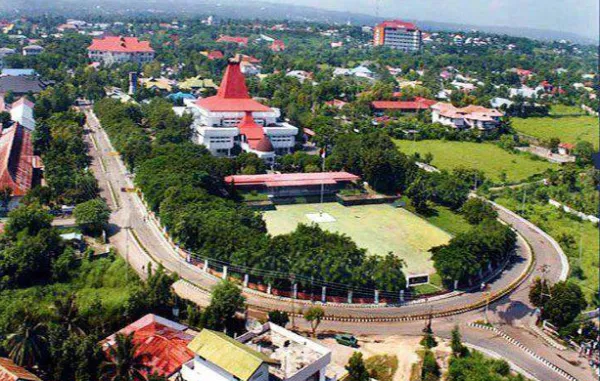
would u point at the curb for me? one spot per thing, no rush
(530, 352)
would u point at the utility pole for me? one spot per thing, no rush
(293, 279)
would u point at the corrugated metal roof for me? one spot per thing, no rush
(9, 371)
(228, 354)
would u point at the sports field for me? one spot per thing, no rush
(569, 129)
(377, 228)
(489, 158)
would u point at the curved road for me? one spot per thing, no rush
(511, 313)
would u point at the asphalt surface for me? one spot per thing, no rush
(141, 242)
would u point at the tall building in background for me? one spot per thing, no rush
(397, 34)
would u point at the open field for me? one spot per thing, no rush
(378, 228)
(569, 129)
(488, 157)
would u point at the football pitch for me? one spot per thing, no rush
(378, 228)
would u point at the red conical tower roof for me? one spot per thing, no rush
(233, 85)
(250, 128)
(264, 145)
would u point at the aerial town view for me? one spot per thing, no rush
(278, 190)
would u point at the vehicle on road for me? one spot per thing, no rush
(347, 340)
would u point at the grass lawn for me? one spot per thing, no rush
(566, 110)
(378, 228)
(569, 129)
(443, 218)
(557, 223)
(491, 159)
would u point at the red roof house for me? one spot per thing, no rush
(233, 94)
(120, 44)
(215, 55)
(9, 371)
(17, 161)
(234, 39)
(406, 106)
(162, 341)
(278, 46)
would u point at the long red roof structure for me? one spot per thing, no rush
(9, 371)
(120, 44)
(233, 94)
(291, 179)
(416, 104)
(163, 343)
(398, 24)
(16, 160)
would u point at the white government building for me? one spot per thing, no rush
(232, 118)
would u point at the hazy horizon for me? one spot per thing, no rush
(574, 16)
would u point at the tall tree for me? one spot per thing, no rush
(124, 363)
(357, 371)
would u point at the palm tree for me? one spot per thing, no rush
(28, 342)
(124, 364)
(66, 314)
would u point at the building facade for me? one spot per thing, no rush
(398, 35)
(115, 50)
(232, 119)
(476, 117)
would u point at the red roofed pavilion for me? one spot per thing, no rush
(162, 341)
(407, 106)
(234, 39)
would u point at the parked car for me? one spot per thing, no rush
(347, 340)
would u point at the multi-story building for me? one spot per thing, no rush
(398, 35)
(233, 119)
(111, 50)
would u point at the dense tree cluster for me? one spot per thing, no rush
(469, 253)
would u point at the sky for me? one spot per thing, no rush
(576, 16)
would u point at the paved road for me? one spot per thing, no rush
(147, 244)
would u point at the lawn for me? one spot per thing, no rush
(491, 159)
(558, 224)
(569, 129)
(378, 228)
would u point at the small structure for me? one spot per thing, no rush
(164, 343)
(293, 184)
(271, 353)
(565, 148)
(32, 50)
(277, 46)
(21, 85)
(9, 371)
(19, 72)
(214, 55)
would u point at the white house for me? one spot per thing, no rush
(472, 116)
(270, 353)
(359, 71)
(526, 92)
(32, 50)
(231, 118)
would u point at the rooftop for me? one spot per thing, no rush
(16, 159)
(398, 24)
(291, 179)
(232, 94)
(120, 44)
(164, 341)
(228, 354)
(416, 104)
(288, 352)
(9, 371)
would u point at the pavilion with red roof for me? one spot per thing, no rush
(417, 104)
(232, 118)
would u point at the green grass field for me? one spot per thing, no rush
(377, 228)
(491, 159)
(569, 129)
(557, 224)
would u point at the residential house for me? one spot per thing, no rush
(277, 46)
(197, 84)
(300, 75)
(241, 41)
(21, 85)
(565, 148)
(336, 103)
(32, 50)
(19, 72)
(270, 353)
(161, 84)
(163, 342)
(477, 117)
(5, 52)
(214, 55)
(232, 118)
(359, 72)
(526, 92)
